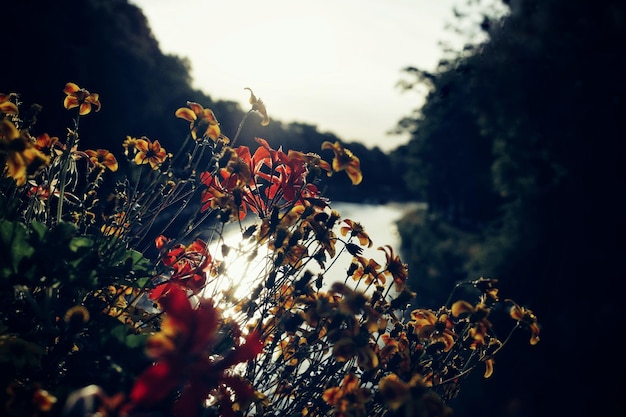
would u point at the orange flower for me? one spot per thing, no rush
(429, 327)
(395, 267)
(149, 153)
(478, 319)
(81, 98)
(21, 155)
(45, 143)
(201, 121)
(398, 349)
(345, 160)
(6, 106)
(43, 400)
(349, 398)
(368, 269)
(403, 398)
(526, 317)
(102, 158)
(356, 229)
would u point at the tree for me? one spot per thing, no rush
(546, 91)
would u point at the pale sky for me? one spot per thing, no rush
(329, 63)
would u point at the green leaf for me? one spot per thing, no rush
(39, 229)
(62, 232)
(14, 243)
(130, 340)
(79, 242)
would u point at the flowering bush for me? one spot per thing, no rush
(131, 297)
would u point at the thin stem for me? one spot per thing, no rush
(65, 161)
(240, 127)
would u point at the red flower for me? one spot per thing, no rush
(185, 359)
(190, 264)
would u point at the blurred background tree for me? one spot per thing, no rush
(519, 151)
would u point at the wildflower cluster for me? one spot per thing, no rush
(215, 281)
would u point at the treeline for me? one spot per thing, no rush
(107, 47)
(519, 152)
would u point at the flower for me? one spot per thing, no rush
(202, 121)
(81, 98)
(21, 156)
(433, 329)
(368, 270)
(259, 106)
(348, 399)
(526, 318)
(181, 350)
(345, 160)
(356, 229)
(190, 265)
(45, 143)
(6, 106)
(149, 152)
(412, 397)
(395, 267)
(102, 158)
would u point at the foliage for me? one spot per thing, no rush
(216, 280)
(438, 253)
(526, 126)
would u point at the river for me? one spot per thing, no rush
(379, 221)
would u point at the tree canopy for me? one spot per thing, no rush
(520, 142)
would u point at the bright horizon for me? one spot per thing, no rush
(334, 66)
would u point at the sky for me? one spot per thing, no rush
(334, 64)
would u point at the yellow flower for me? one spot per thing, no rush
(81, 98)
(6, 106)
(21, 155)
(149, 153)
(356, 229)
(129, 144)
(429, 327)
(395, 267)
(525, 316)
(349, 398)
(201, 121)
(102, 158)
(345, 160)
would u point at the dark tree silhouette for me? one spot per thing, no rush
(539, 107)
